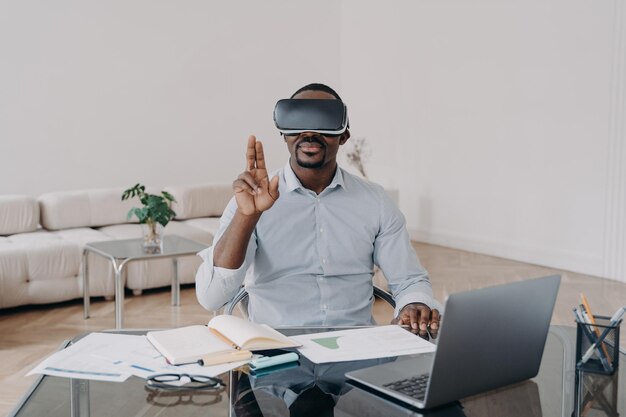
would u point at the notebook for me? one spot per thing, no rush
(489, 338)
(224, 339)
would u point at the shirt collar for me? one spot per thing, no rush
(293, 183)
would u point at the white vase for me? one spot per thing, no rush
(152, 237)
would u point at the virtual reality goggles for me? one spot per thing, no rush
(326, 117)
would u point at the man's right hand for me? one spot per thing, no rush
(254, 192)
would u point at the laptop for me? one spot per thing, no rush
(489, 338)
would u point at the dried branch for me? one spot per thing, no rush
(357, 153)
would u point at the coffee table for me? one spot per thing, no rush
(549, 394)
(122, 252)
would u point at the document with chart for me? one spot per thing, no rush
(357, 344)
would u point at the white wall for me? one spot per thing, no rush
(102, 94)
(500, 122)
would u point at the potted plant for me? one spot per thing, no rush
(155, 214)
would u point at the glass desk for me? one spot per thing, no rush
(316, 390)
(121, 252)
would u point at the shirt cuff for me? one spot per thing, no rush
(417, 297)
(226, 281)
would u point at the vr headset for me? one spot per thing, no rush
(326, 117)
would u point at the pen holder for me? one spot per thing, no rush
(605, 356)
(597, 360)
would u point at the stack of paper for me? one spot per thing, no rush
(115, 357)
(357, 344)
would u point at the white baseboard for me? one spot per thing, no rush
(549, 257)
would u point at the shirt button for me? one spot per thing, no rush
(323, 306)
(324, 260)
(321, 230)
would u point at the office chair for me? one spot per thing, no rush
(242, 297)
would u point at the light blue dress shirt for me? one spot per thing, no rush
(310, 260)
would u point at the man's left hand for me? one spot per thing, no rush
(419, 317)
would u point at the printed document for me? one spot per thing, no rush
(115, 357)
(356, 344)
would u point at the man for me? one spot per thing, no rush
(304, 243)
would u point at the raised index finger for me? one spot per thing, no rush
(260, 156)
(251, 153)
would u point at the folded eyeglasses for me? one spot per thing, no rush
(189, 382)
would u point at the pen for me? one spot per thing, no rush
(592, 321)
(235, 356)
(614, 320)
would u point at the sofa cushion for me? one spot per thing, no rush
(58, 265)
(24, 264)
(88, 208)
(101, 277)
(200, 200)
(81, 235)
(50, 261)
(32, 276)
(13, 276)
(18, 214)
(208, 224)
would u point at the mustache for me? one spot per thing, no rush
(311, 139)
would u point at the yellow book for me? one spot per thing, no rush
(224, 339)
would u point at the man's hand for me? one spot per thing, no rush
(254, 192)
(419, 318)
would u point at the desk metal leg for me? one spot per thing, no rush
(232, 391)
(85, 286)
(175, 284)
(119, 295)
(79, 398)
(578, 394)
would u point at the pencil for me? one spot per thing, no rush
(592, 321)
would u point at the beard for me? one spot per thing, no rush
(311, 164)
(305, 164)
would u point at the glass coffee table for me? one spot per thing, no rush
(309, 389)
(122, 252)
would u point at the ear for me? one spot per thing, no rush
(344, 137)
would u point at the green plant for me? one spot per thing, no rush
(156, 208)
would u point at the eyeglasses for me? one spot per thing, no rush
(164, 398)
(169, 398)
(184, 382)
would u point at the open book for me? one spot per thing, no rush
(224, 339)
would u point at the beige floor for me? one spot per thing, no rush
(29, 334)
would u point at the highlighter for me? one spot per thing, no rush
(267, 361)
(270, 370)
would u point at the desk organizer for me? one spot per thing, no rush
(596, 378)
(605, 357)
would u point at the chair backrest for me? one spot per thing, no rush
(241, 301)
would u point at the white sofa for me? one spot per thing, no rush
(41, 241)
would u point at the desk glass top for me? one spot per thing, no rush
(316, 390)
(173, 245)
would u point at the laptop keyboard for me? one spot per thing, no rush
(413, 387)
